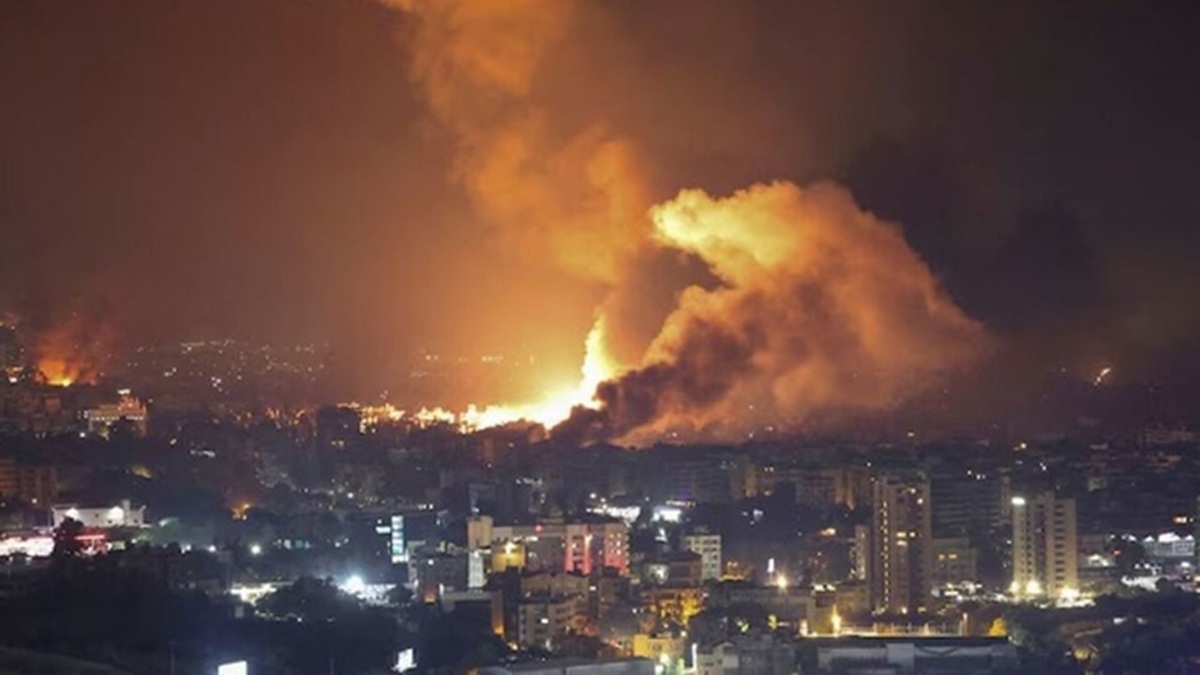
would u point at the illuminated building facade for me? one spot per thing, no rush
(123, 514)
(534, 609)
(130, 409)
(570, 547)
(902, 542)
(1045, 547)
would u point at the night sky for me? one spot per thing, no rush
(269, 170)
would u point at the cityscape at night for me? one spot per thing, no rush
(596, 337)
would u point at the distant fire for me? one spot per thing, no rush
(57, 372)
(73, 351)
(548, 410)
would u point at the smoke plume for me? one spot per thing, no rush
(75, 349)
(820, 308)
(570, 196)
(812, 306)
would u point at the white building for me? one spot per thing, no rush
(118, 515)
(715, 659)
(708, 547)
(1045, 547)
(572, 547)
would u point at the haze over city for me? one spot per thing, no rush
(278, 273)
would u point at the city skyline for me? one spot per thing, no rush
(583, 337)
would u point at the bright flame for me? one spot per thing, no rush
(57, 371)
(73, 350)
(547, 411)
(556, 407)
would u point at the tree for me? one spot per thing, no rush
(66, 540)
(400, 595)
(308, 599)
(1130, 553)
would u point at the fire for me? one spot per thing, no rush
(57, 371)
(815, 308)
(548, 410)
(75, 349)
(557, 406)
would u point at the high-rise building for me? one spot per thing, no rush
(902, 541)
(817, 488)
(34, 483)
(965, 501)
(1045, 543)
(699, 478)
(860, 553)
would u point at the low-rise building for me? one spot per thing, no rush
(542, 620)
(666, 649)
(708, 547)
(122, 514)
(917, 655)
(1045, 547)
(752, 654)
(791, 605)
(575, 667)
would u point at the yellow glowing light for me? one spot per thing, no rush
(548, 410)
(555, 407)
